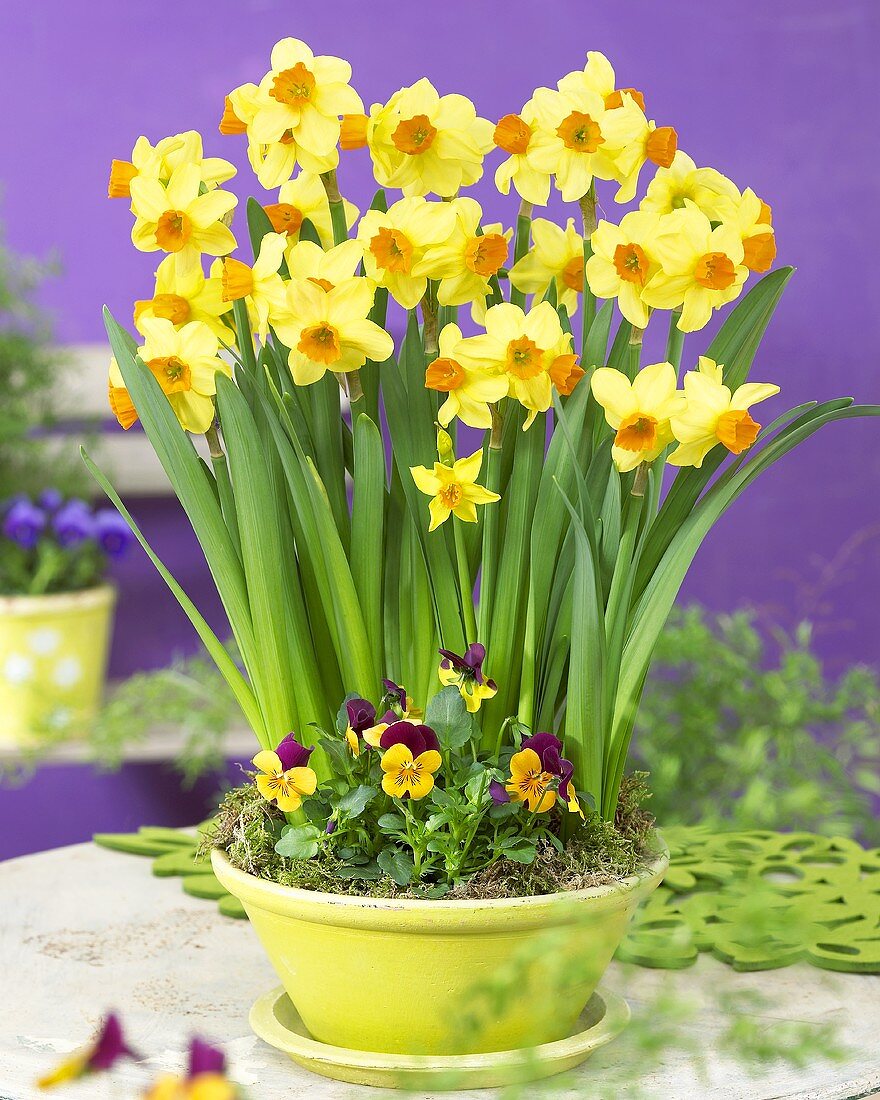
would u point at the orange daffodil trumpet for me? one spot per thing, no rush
(454, 489)
(304, 199)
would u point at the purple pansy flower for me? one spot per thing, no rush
(106, 1049)
(73, 523)
(417, 738)
(23, 523)
(50, 499)
(395, 691)
(470, 665)
(112, 533)
(361, 714)
(498, 792)
(292, 754)
(549, 750)
(203, 1058)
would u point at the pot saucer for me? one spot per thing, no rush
(276, 1021)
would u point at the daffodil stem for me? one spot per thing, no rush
(634, 351)
(521, 247)
(429, 318)
(675, 340)
(491, 516)
(337, 206)
(245, 337)
(588, 216)
(465, 583)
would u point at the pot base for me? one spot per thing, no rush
(277, 1022)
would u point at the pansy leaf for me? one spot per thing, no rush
(369, 872)
(448, 717)
(524, 852)
(337, 752)
(397, 864)
(354, 802)
(298, 842)
(391, 823)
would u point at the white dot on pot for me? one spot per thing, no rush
(67, 672)
(18, 669)
(44, 641)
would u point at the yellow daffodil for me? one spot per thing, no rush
(177, 219)
(715, 415)
(657, 144)
(261, 285)
(406, 775)
(527, 348)
(426, 143)
(529, 782)
(273, 162)
(556, 255)
(701, 268)
(624, 262)
(466, 260)
(754, 220)
(186, 295)
(285, 787)
(307, 260)
(598, 75)
(121, 404)
(185, 363)
(682, 181)
(301, 199)
(523, 136)
(579, 126)
(301, 99)
(470, 388)
(454, 489)
(330, 330)
(396, 242)
(639, 411)
(159, 161)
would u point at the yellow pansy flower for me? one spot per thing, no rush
(624, 262)
(159, 161)
(522, 136)
(754, 220)
(185, 363)
(469, 386)
(524, 347)
(579, 125)
(682, 182)
(304, 198)
(454, 489)
(286, 787)
(395, 244)
(330, 330)
(177, 219)
(556, 255)
(307, 260)
(405, 774)
(204, 1086)
(301, 99)
(715, 415)
(260, 285)
(466, 260)
(426, 143)
(639, 411)
(186, 295)
(529, 782)
(701, 268)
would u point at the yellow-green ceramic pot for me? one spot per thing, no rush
(439, 977)
(53, 662)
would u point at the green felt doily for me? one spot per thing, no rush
(756, 900)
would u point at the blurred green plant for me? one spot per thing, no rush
(30, 368)
(740, 728)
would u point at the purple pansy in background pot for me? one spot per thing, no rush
(112, 533)
(108, 1048)
(205, 1078)
(23, 523)
(204, 1058)
(50, 499)
(466, 673)
(73, 523)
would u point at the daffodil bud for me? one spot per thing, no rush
(445, 449)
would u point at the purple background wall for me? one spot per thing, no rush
(779, 96)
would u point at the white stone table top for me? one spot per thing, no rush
(84, 930)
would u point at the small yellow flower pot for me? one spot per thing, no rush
(53, 662)
(438, 978)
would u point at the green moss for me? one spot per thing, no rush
(247, 827)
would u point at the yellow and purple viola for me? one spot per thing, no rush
(411, 756)
(205, 1078)
(539, 775)
(106, 1049)
(466, 673)
(284, 776)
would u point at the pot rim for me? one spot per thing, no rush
(100, 595)
(285, 899)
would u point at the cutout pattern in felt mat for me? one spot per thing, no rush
(760, 900)
(756, 900)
